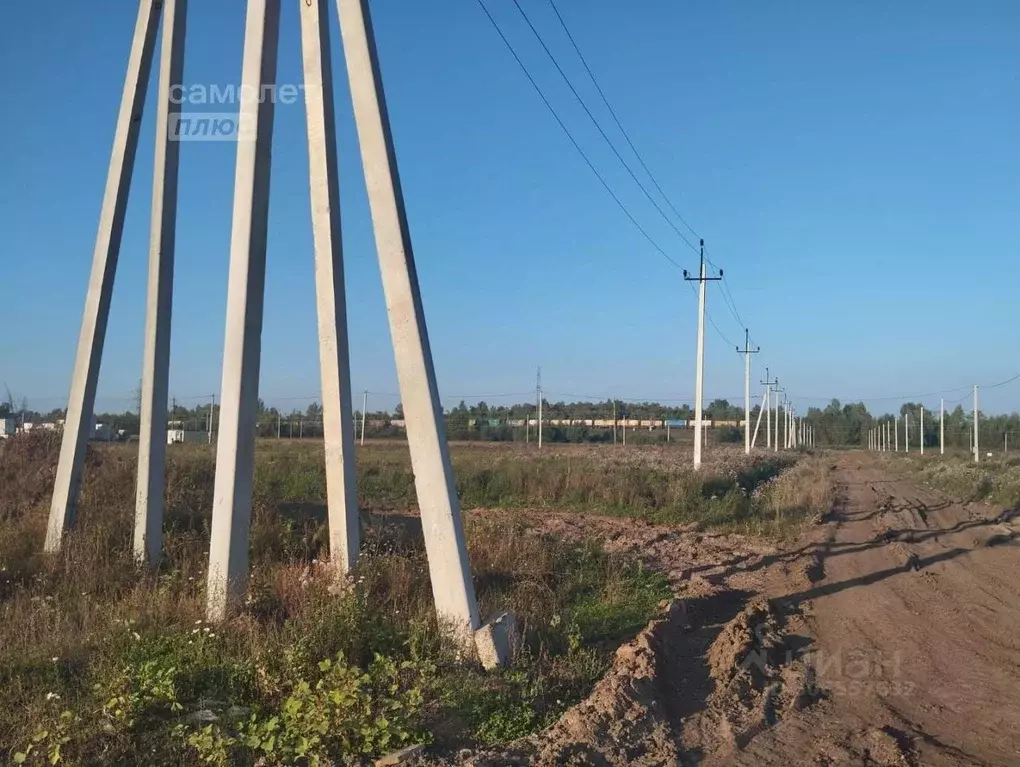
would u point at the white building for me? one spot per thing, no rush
(178, 433)
(8, 426)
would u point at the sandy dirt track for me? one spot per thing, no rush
(888, 635)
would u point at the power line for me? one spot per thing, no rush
(710, 320)
(598, 126)
(573, 141)
(616, 119)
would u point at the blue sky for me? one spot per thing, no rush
(854, 168)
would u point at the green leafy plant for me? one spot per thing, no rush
(345, 714)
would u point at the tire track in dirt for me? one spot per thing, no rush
(889, 634)
(914, 632)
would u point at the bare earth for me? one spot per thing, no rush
(888, 635)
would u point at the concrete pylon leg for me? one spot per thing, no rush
(242, 346)
(82, 399)
(449, 569)
(148, 539)
(331, 305)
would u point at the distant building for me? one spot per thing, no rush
(8, 426)
(177, 433)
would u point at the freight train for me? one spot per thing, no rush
(606, 423)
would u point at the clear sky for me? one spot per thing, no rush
(854, 168)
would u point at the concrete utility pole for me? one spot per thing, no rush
(775, 442)
(82, 398)
(538, 396)
(896, 433)
(212, 415)
(747, 351)
(906, 432)
(614, 421)
(449, 570)
(364, 415)
(330, 295)
(762, 409)
(702, 280)
(242, 346)
(921, 430)
(942, 427)
(767, 404)
(148, 533)
(977, 454)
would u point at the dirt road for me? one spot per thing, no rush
(913, 616)
(889, 635)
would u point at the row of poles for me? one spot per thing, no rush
(885, 436)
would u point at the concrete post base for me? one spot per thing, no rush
(497, 642)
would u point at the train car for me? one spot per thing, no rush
(722, 424)
(676, 423)
(604, 422)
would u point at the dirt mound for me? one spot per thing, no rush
(756, 677)
(696, 685)
(625, 720)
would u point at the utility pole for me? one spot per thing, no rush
(277, 424)
(762, 409)
(702, 280)
(614, 421)
(942, 426)
(921, 432)
(896, 434)
(212, 408)
(538, 395)
(976, 446)
(625, 428)
(364, 414)
(747, 351)
(445, 545)
(767, 405)
(906, 432)
(775, 442)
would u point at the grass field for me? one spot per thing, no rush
(995, 478)
(103, 663)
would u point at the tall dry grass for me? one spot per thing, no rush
(109, 663)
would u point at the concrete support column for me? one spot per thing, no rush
(148, 537)
(331, 305)
(426, 434)
(82, 399)
(242, 346)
